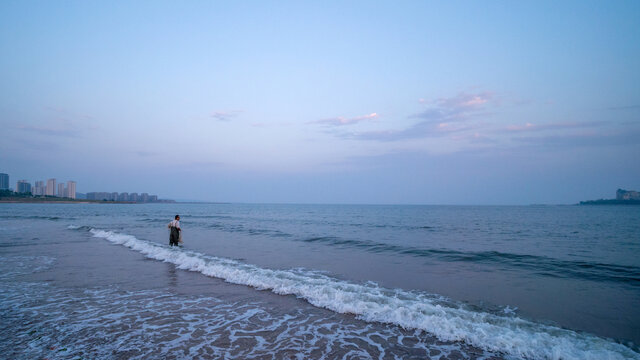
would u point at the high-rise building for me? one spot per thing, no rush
(61, 190)
(40, 189)
(51, 187)
(71, 189)
(133, 197)
(23, 186)
(4, 181)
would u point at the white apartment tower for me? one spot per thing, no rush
(61, 190)
(71, 189)
(51, 187)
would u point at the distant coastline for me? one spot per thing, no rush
(56, 200)
(623, 197)
(9, 196)
(610, 202)
(39, 200)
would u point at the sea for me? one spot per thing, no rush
(270, 281)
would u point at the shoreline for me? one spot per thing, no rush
(26, 200)
(61, 201)
(610, 202)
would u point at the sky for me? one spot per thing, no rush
(354, 102)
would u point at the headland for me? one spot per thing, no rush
(623, 197)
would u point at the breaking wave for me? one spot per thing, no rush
(411, 310)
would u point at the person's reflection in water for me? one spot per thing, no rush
(172, 275)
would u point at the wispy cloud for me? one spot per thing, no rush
(50, 131)
(225, 115)
(476, 138)
(462, 100)
(340, 121)
(420, 130)
(442, 116)
(530, 127)
(68, 114)
(25, 145)
(582, 140)
(457, 108)
(57, 122)
(271, 124)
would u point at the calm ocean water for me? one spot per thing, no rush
(320, 281)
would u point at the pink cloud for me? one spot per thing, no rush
(456, 108)
(442, 117)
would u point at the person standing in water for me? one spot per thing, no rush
(174, 234)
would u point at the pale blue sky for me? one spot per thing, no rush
(497, 102)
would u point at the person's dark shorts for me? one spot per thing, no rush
(174, 236)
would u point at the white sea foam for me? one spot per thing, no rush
(69, 323)
(508, 334)
(21, 265)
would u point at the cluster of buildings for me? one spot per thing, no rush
(53, 188)
(114, 196)
(59, 189)
(627, 195)
(41, 188)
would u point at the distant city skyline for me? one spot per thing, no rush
(114, 196)
(53, 188)
(415, 102)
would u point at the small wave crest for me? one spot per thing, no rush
(412, 310)
(79, 228)
(238, 228)
(36, 217)
(542, 265)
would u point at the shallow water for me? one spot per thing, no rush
(336, 281)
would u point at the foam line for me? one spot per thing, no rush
(507, 334)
